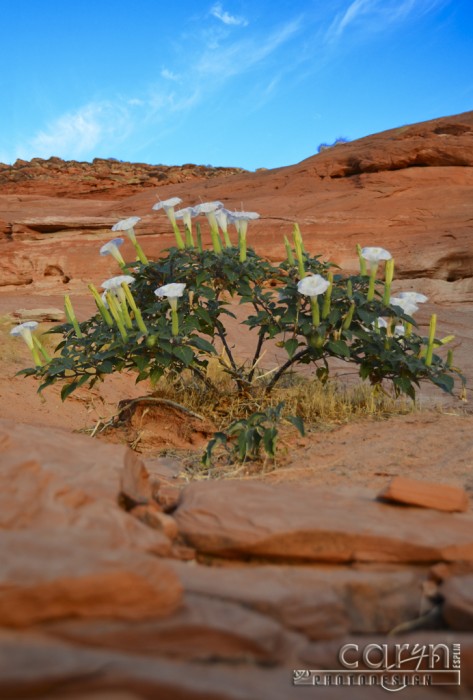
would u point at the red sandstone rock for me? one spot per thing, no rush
(152, 516)
(457, 592)
(135, 483)
(48, 575)
(202, 629)
(37, 666)
(406, 189)
(53, 479)
(427, 495)
(103, 178)
(320, 602)
(283, 521)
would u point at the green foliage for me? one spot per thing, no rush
(244, 438)
(151, 338)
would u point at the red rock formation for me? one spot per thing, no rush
(104, 178)
(407, 189)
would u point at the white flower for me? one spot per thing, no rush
(186, 215)
(115, 283)
(382, 323)
(207, 207)
(406, 304)
(313, 285)
(167, 204)
(399, 330)
(222, 218)
(374, 255)
(24, 330)
(171, 290)
(126, 224)
(240, 219)
(415, 297)
(111, 248)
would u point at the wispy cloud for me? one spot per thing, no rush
(237, 57)
(169, 75)
(79, 133)
(218, 12)
(370, 16)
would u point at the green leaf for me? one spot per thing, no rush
(184, 353)
(269, 441)
(291, 346)
(67, 390)
(202, 344)
(204, 315)
(242, 446)
(445, 382)
(298, 423)
(338, 347)
(156, 374)
(405, 386)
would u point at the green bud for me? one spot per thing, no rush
(289, 254)
(361, 259)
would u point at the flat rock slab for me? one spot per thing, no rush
(319, 602)
(457, 592)
(35, 666)
(202, 629)
(413, 492)
(40, 315)
(291, 522)
(51, 575)
(52, 479)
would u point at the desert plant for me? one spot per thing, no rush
(160, 318)
(244, 438)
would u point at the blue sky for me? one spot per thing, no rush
(248, 83)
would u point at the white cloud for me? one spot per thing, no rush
(218, 12)
(354, 10)
(76, 133)
(80, 133)
(238, 57)
(169, 75)
(370, 16)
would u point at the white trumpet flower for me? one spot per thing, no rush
(111, 248)
(313, 285)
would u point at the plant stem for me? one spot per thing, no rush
(178, 237)
(174, 322)
(257, 353)
(285, 367)
(370, 295)
(221, 333)
(314, 305)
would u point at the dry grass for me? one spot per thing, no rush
(316, 403)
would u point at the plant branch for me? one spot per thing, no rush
(262, 333)
(222, 336)
(285, 367)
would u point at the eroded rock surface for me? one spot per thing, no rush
(406, 189)
(292, 522)
(91, 605)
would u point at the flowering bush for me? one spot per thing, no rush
(169, 315)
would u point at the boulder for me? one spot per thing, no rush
(297, 523)
(413, 492)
